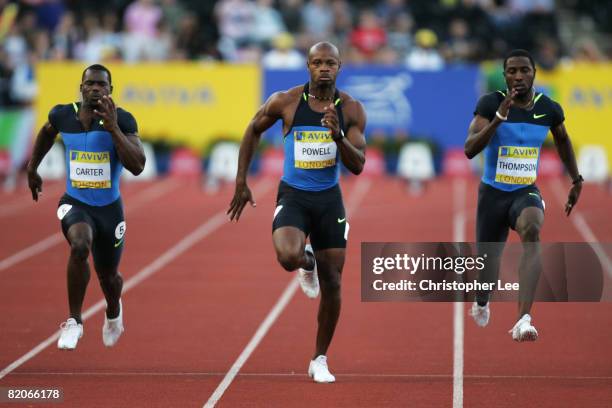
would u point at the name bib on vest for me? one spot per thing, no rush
(314, 149)
(517, 165)
(90, 169)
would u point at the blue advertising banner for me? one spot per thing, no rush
(436, 105)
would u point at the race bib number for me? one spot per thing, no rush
(90, 169)
(517, 165)
(314, 149)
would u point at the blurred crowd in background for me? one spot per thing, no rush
(420, 34)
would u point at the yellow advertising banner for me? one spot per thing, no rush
(585, 93)
(190, 104)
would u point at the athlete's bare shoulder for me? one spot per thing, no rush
(352, 108)
(281, 100)
(289, 95)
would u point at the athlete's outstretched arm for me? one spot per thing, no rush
(265, 117)
(352, 147)
(42, 145)
(481, 130)
(128, 146)
(566, 153)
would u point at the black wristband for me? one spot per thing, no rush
(339, 137)
(578, 179)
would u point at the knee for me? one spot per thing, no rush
(289, 260)
(530, 232)
(330, 284)
(79, 249)
(109, 278)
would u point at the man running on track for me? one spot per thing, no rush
(321, 126)
(510, 127)
(100, 140)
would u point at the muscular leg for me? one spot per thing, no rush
(111, 283)
(329, 265)
(79, 236)
(491, 234)
(289, 245)
(528, 226)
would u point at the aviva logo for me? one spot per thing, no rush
(313, 136)
(519, 152)
(89, 157)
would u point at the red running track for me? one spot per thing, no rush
(189, 320)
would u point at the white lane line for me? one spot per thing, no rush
(183, 245)
(458, 322)
(254, 342)
(459, 195)
(293, 374)
(360, 190)
(583, 228)
(35, 249)
(139, 200)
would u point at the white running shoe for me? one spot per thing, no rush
(480, 314)
(309, 280)
(523, 330)
(70, 335)
(113, 328)
(319, 371)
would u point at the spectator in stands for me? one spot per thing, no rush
(586, 50)
(547, 54)
(343, 20)
(475, 14)
(536, 19)
(48, 13)
(6, 72)
(387, 56)
(101, 42)
(189, 39)
(400, 34)
(16, 41)
(141, 21)
(291, 11)
(460, 46)
(317, 20)
(145, 29)
(236, 21)
(65, 38)
(268, 23)
(369, 36)
(283, 55)
(424, 56)
(388, 10)
(173, 13)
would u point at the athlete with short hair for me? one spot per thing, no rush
(100, 139)
(321, 126)
(509, 127)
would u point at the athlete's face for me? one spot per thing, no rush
(323, 65)
(94, 86)
(519, 74)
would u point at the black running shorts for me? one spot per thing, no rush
(319, 214)
(498, 210)
(107, 223)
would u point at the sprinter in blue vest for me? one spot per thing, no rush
(321, 126)
(100, 139)
(509, 127)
